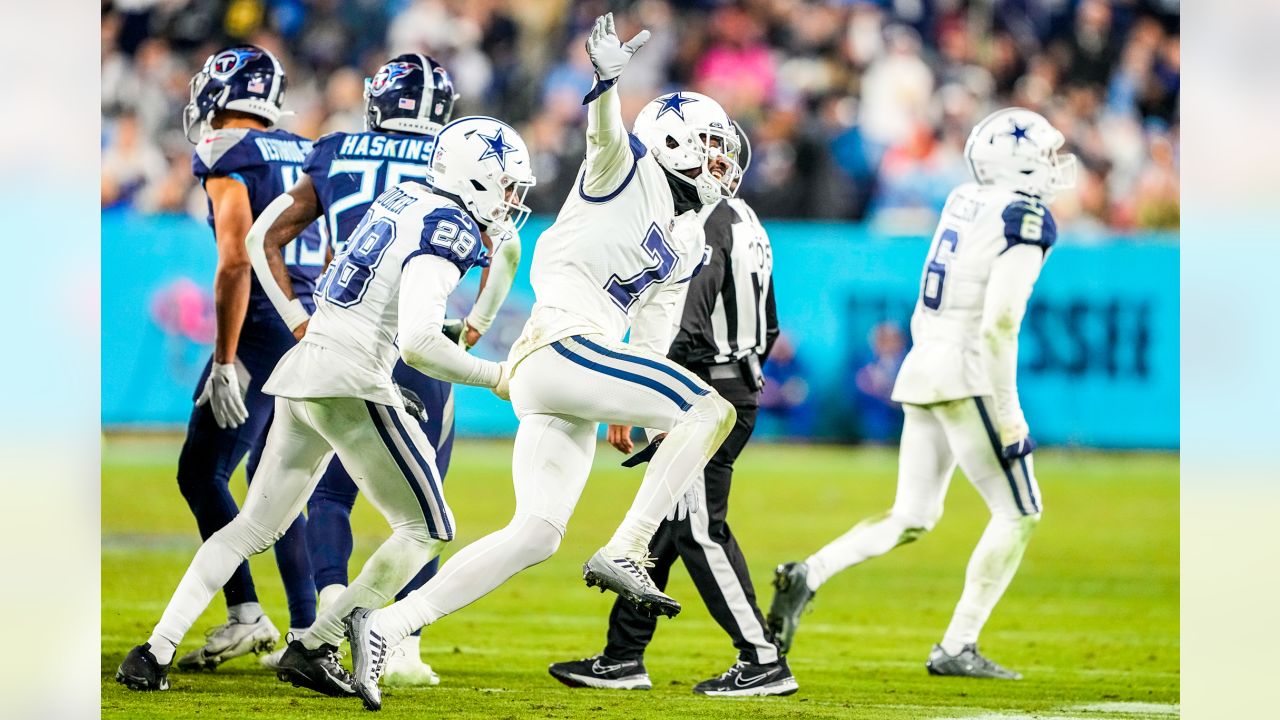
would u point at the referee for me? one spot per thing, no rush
(726, 330)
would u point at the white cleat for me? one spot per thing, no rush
(231, 640)
(405, 666)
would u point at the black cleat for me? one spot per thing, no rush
(790, 598)
(368, 656)
(602, 671)
(745, 679)
(141, 671)
(319, 670)
(630, 580)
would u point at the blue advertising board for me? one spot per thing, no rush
(1099, 362)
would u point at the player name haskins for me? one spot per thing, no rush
(388, 147)
(291, 151)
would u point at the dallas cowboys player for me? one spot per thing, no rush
(958, 385)
(335, 393)
(243, 164)
(617, 258)
(407, 102)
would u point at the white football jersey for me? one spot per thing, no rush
(978, 224)
(605, 257)
(349, 349)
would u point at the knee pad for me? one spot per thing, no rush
(538, 537)
(712, 410)
(415, 532)
(912, 525)
(246, 536)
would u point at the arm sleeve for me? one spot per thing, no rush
(771, 322)
(425, 285)
(502, 271)
(610, 158)
(1008, 289)
(290, 309)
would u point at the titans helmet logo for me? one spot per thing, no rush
(387, 75)
(227, 62)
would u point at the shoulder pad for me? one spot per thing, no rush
(450, 233)
(222, 152)
(322, 153)
(1029, 222)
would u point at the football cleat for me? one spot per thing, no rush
(368, 656)
(968, 663)
(602, 671)
(141, 671)
(231, 640)
(405, 666)
(746, 679)
(319, 670)
(629, 579)
(790, 598)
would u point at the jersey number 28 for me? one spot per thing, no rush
(347, 277)
(935, 273)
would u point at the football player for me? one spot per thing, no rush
(334, 392)
(616, 259)
(958, 385)
(243, 165)
(406, 103)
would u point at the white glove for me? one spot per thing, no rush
(503, 388)
(686, 505)
(225, 395)
(608, 54)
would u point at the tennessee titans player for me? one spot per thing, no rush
(407, 102)
(243, 164)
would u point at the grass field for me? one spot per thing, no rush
(1091, 620)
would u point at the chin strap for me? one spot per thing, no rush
(683, 192)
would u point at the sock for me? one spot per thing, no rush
(328, 595)
(470, 575)
(870, 538)
(411, 645)
(392, 565)
(162, 649)
(246, 613)
(671, 472)
(296, 633)
(991, 568)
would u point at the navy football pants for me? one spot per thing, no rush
(210, 455)
(329, 509)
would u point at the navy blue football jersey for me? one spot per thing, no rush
(350, 170)
(268, 162)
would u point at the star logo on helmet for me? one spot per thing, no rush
(1018, 134)
(496, 147)
(675, 103)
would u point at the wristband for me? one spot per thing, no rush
(294, 314)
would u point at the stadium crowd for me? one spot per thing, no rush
(858, 109)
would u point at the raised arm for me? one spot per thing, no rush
(1008, 289)
(609, 159)
(282, 221)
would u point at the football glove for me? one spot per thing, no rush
(685, 505)
(644, 454)
(412, 403)
(503, 388)
(608, 54)
(1022, 448)
(224, 392)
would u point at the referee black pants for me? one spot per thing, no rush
(709, 551)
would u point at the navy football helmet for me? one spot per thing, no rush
(245, 78)
(412, 93)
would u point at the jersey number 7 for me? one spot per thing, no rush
(626, 292)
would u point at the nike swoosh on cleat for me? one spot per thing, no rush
(597, 668)
(739, 681)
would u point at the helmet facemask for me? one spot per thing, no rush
(705, 147)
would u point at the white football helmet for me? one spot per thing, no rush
(485, 163)
(1018, 149)
(686, 131)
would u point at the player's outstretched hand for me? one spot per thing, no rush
(503, 388)
(608, 54)
(225, 396)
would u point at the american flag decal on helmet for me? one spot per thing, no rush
(408, 103)
(257, 85)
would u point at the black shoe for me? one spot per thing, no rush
(790, 598)
(320, 669)
(141, 671)
(746, 678)
(602, 671)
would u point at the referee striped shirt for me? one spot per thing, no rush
(729, 312)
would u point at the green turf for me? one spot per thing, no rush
(1091, 619)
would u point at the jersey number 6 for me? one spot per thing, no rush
(626, 292)
(936, 272)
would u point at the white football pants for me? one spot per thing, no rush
(392, 463)
(561, 393)
(935, 439)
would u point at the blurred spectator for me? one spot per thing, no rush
(857, 109)
(880, 418)
(130, 163)
(785, 397)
